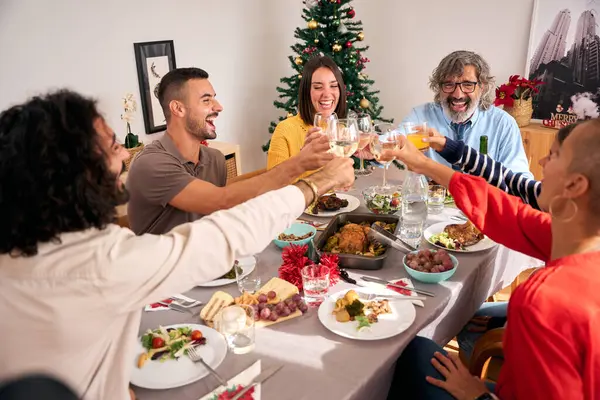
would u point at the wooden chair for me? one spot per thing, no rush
(488, 350)
(248, 175)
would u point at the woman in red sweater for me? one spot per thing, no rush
(550, 349)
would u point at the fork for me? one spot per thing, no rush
(185, 303)
(176, 307)
(195, 357)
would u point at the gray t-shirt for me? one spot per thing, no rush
(159, 173)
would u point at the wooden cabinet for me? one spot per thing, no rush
(537, 140)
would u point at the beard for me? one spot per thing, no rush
(199, 127)
(459, 117)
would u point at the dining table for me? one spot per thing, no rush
(317, 363)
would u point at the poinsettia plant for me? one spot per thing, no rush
(517, 88)
(295, 258)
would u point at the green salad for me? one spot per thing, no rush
(231, 274)
(442, 239)
(383, 203)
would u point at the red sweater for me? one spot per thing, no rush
(552, 339)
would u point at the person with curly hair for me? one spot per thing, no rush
(463, 109)
(73, 284)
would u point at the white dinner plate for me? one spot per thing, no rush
(175, 373)
(388, 325)
(485, 244)
(353, 204)
(247, 264)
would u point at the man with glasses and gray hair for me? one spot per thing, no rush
(463, 110)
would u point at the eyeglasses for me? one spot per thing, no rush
(465, 87)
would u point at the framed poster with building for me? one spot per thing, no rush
(564, 53)
(153, 61)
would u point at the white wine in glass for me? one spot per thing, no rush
(344, 140)
(365, 127)
(385, 138)
(325, 123)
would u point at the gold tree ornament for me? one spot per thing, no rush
(299, 76)
(364, 103)
(316, 41)
(360, 36)
(312, 24)
(298, 61)
(337, 47)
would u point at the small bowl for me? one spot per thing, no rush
(383, 200)
(430, 277)
(297, 229)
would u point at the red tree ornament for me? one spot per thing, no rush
(351, 13)
(348, 44)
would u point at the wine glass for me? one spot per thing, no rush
(385, 138)
(344, 140)
(325, 123)
(365, 127)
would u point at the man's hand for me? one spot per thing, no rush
(338, 173)
(315, 152)
(436, 140)
(459, 382)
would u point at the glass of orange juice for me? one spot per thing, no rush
(415, 133)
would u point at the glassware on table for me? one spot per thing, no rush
(236, 324)
(325, 123)
(315, 282)
(415, 134)
(385, 138)
(436, 199)
(414, 208)
(365, 129)
(343, 141)
(248, 281)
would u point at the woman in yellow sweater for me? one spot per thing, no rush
(321, 90)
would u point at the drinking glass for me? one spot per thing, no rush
(236, 324)
(415, 134)
(365, 128)
(385, 138)
(248, 281)
(315, 281)
(325, 123)
(436, 199)
(344, 140)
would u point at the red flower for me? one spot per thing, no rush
(504, 95)
(204, 143)
(294, 259)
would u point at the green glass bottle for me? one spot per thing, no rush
(483, 144)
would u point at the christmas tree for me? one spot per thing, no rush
(331, 29)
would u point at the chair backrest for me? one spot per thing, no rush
(246, 176)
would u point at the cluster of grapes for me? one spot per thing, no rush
(272, 312)
(430, 261)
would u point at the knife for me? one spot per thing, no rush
(382, 236)
(259, 379)
(384, 282)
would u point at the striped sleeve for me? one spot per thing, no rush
(474, 163)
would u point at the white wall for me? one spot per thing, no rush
(243, 44)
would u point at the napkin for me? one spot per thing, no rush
(390, 290)
(244, 378)
(160, 307)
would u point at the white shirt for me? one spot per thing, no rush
(73, 311)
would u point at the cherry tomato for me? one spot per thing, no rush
(196, 335)
(157, 343)
(395, 202)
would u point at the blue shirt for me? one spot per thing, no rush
(504, 136)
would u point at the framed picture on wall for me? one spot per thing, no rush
(153, 61)
(564, 53)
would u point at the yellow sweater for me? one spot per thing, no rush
(287, 140)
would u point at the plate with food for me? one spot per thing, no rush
(246, 264)
(330, 205)
(354, 314)
(463, 238)
(160, 355)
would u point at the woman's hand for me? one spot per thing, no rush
(408, 154)
(459, 382)
(436, 140)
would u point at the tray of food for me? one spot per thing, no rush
(347, 236)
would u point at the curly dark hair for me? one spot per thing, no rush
(53, 172)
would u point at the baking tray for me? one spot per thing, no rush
(353, 261)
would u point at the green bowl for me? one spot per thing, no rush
(430, 277)
(297, 229)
